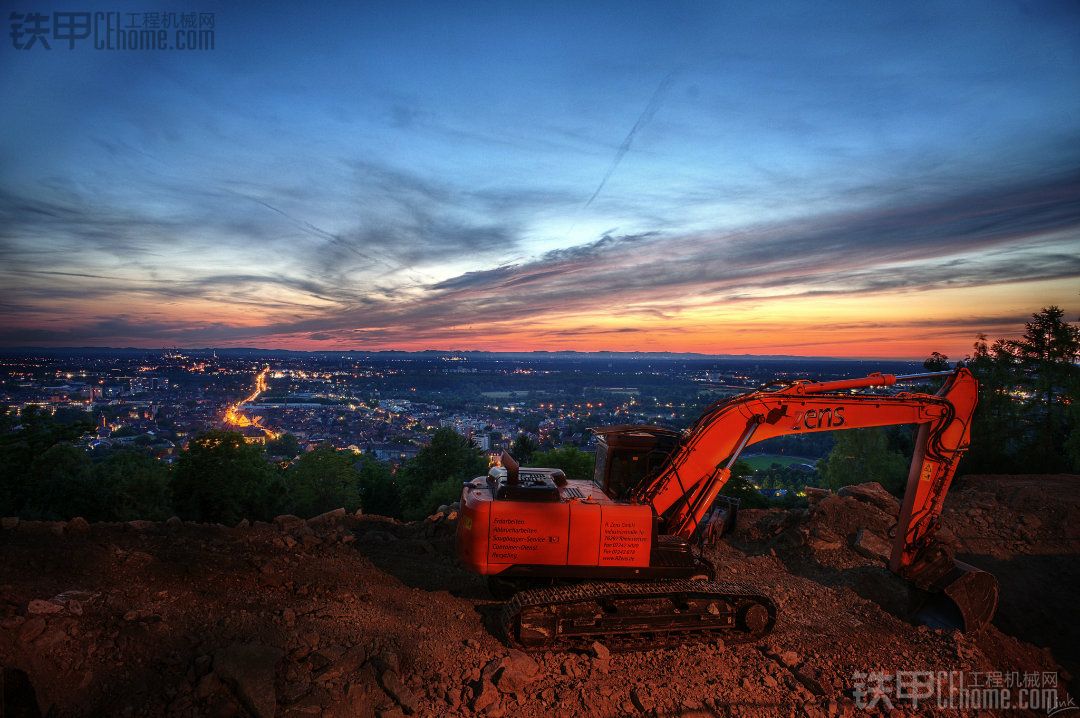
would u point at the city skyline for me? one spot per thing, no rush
(845, 180)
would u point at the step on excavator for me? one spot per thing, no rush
(619, 558)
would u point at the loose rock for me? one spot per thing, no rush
(249, 669)
(869, 544)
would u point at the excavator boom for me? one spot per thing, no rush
(688, 485)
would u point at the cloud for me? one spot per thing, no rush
(948, 243)
(643, 119)
(362, 283)
(896, 248)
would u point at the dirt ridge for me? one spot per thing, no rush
(348, 614)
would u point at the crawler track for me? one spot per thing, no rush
(636, 616)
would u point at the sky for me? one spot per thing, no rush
(862, 179)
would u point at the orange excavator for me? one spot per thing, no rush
(619, 558)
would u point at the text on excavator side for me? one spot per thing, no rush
(819, 418)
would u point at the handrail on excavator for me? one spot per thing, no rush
(875, 379)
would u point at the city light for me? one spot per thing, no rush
(235, 416)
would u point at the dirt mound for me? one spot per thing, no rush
(1005, 517)
(360, 615)
(1026, 531)
(852, 528)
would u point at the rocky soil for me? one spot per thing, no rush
(349, 615)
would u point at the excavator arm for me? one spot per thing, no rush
(684, 490)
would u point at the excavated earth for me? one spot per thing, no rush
(349, 615)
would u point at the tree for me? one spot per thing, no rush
(19, 450)
(1048, 338)
(45, 476)
(320, 481)
(449, 460)
(61, 485)
(9, 418)
(523, 448)
(998, 426)
(741, 486)
(1047, 355)
(222, 478)
(1025, 421)
(794, 478)
(1072, 444)
(132, 485)
(936, 362)
(285, 446)
(379, 494)
(574, 462)
(861, 455)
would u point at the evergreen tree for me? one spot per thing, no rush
(1047, 355)
(936, 362)
(1025, 421)
(997, 427)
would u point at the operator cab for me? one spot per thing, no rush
(627, 455)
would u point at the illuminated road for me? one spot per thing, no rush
(234, 415)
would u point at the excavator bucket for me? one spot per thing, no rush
(965, 599)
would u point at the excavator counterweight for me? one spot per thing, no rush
(618, 557)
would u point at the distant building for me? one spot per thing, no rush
(394, 452)
(253, 434)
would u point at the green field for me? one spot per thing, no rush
(766, 460)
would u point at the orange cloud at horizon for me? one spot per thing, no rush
(906, 325)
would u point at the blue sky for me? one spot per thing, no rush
(420, 174)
